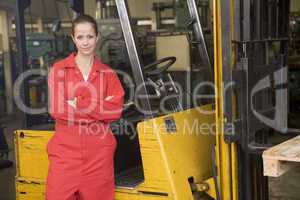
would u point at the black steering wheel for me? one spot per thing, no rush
(154, 69)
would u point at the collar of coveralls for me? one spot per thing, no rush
(98, 65)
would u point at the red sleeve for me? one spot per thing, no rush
(105, 110)
(59, 108)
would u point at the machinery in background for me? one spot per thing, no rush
(112, 49)
(43, 50)
(106, 9)
(179, 16)
(164, 22)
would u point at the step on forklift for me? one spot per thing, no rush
(173, 156)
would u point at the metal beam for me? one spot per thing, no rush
(4, 31)
(21, 5)
(193, 9)
(226, 29)
(134, 55)
(246, 20)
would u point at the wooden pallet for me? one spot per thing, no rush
(282, 157)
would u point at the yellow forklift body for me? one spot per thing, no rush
(173, 147)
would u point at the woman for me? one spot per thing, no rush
(85, 96)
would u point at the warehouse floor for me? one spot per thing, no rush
(286, 187)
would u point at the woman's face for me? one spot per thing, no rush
(85, 38)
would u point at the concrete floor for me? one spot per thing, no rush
(286, 187)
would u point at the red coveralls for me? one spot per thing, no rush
(82, 149)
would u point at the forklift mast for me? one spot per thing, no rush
(22, 55)
(250, 54)
(134, 55)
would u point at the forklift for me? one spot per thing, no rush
(251, 104)
(207, 151)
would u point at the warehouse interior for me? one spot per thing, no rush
(174, 46)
